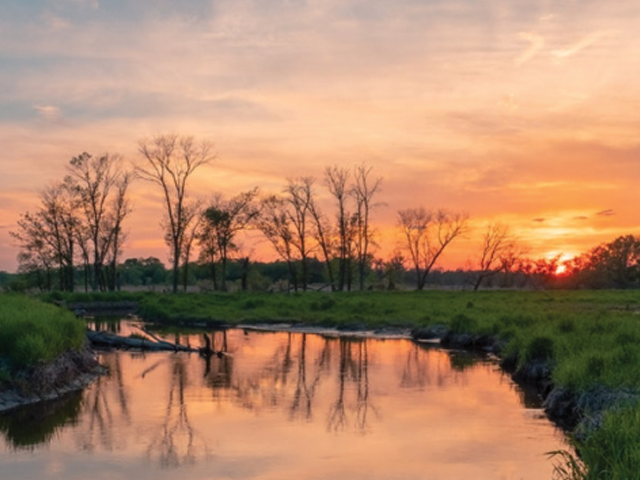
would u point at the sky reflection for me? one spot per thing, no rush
(282, 405)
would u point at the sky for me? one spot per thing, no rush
(522, 112)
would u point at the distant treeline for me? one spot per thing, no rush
(611, 265)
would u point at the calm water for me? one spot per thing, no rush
(286, 406)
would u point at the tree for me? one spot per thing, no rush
(101, 185)
(615, 264)
(169, 162)
(498, 251)
(275, 224)
(324, 236)
(221, 222)
(47, 237)
(426, 234)
(193, 220)
(363, 192)
(297, 202)
(337, 181)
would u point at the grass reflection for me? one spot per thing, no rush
(37, 425)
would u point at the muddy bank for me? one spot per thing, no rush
(71, 371)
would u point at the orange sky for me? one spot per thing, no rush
(523, 112)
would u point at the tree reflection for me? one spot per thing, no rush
(303, 396)
(220, 374)
(426, 365)
(101, 423)
(354, 369)
(177, 444)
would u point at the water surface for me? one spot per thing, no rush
(286, 405)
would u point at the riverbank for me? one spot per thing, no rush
(43, 352)
(71, 371)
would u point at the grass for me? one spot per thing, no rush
(32, 332)
(590, 339)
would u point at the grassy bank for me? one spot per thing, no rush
(32, 332)
(589, 340)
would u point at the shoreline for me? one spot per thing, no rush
(71, 371)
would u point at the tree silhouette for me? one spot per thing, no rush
(426, 234)
(169, 161)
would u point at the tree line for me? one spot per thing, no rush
(79, 227)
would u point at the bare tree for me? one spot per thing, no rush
(337, 181)
(324, 236)
(426, 234)
(298, 199)
(221, 222)
(363, 191)
(169, 161)
(47, 237)
(36, 255)
(497, 242)
(101, 185)
(121, 207)
(275, 224)
(193, 220)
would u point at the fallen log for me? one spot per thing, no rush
(109, 339)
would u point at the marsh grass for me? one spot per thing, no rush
(612, 452)
(33, 332)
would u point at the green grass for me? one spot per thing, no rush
(32, 332)
(615, 445)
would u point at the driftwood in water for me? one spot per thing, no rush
(154, 343)
(116, 341)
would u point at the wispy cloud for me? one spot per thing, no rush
(48, 112)
(579, 46)
(536, 43)
(539, 220)
(609, 212)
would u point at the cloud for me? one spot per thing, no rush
(581, 217)
(606, 213)
(48, 112)
(579, 46)
(539, 220)
(536, 43)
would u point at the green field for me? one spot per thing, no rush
(589, 339)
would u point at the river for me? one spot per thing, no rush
(281, 405)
